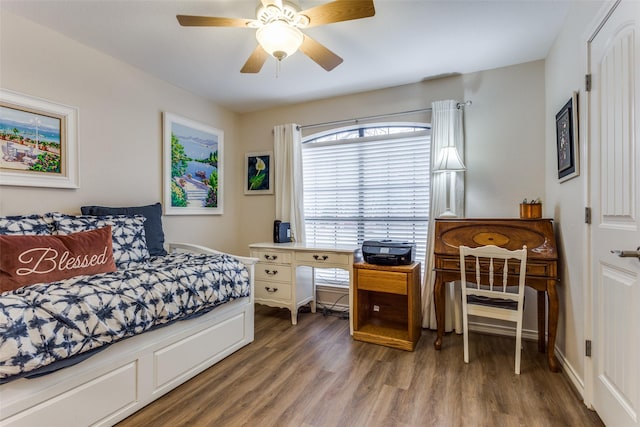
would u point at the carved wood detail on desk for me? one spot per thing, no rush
(542, 264)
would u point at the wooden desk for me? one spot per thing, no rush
(542, 264)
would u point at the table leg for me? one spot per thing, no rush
(438, 301)
(312, 304)
(553, 326)
(351, 306)
(542, 321)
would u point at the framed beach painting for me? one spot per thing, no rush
(38, 142)
(193, 160)
(258, 173)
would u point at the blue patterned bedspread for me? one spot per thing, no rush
(48, 323)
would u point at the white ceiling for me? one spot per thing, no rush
(405, 42)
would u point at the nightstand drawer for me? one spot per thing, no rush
(382, 281)
(272, 256)
(273, 272)
(273, 291)
(322, 257)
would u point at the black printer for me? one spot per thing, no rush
(388, 252)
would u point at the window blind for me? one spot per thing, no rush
(370, 188)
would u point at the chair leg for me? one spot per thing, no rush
(518, 345)
(465, 334)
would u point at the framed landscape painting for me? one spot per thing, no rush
(258, 173)
(193, 160)
(38, 139)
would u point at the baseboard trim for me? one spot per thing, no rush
(332, 306)
(571, 374)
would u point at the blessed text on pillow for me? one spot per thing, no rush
(27, 260)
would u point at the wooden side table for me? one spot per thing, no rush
(386, 305)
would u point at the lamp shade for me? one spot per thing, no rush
(449, 161)
(279, 39)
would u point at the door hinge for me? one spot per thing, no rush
(587, 348)
(587, 215)
(587, 82)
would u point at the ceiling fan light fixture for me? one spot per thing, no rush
(278, 27)
(279, 39)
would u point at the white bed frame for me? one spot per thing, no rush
(130, 374)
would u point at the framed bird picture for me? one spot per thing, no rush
(258, 173)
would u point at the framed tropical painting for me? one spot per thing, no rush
(193, 160)
(258, 173)
(38, 142)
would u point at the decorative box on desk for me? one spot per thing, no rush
(386, 305)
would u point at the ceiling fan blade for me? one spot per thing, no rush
(339, 10)
(212, 21)
(320, 54)
(256, 61)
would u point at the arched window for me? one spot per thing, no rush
(367, 182)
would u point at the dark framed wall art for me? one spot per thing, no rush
(258, 173)
(567, 140)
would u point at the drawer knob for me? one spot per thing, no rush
(271, 272)
(270, 257)
(320, 257)
(271, 290)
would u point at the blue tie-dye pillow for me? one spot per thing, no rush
(129, 242)
(34, 225)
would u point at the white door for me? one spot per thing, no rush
(614, 101)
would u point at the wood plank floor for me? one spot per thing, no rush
(315, 375)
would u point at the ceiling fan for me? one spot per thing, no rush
(278, 27)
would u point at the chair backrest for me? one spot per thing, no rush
(491, 263)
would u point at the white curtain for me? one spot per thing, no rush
(446, 130)
(289, 189)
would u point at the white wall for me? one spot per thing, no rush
(565, 68)
(504, 131)
(120, 130)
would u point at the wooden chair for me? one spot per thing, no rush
(502, 300)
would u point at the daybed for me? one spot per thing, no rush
(148, 323)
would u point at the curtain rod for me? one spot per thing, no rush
(379, 116)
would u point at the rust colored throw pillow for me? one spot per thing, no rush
(27, 260)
